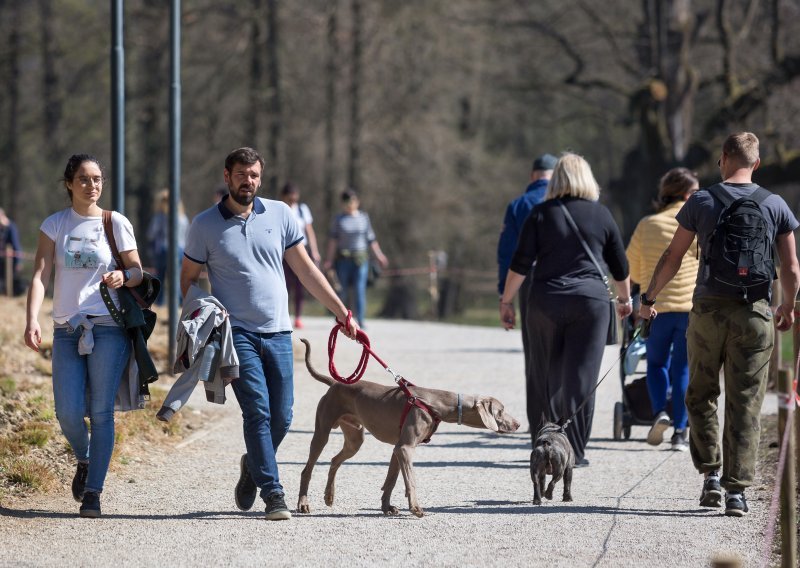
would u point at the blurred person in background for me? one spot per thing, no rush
(158, 238)
(351, 239)
(10, 245)
(290, 194)
(667, 359)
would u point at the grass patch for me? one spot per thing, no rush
(8, 386)
(30, 473)
(11, 447)
(35, 434)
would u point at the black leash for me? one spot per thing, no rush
(643, 328)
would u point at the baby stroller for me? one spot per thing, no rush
(635, 408)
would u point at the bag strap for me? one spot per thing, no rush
(108, 226)
(585, 246)
(722, 195)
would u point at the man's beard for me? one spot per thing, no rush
(242, 199)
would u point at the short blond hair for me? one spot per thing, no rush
(742, 147)
(572, 177)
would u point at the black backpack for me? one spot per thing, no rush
(739, 256)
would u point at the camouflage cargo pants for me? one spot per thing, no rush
(738, 337)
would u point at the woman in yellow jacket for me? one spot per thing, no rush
(667, 363)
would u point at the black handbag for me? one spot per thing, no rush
(612, 336)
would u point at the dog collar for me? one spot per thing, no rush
(459, 409)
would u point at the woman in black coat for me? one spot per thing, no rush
(568, 312)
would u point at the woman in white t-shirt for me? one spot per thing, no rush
(290, 194)
(90, 350)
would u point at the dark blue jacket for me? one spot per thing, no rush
(516, 213)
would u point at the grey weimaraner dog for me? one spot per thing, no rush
(379, 409)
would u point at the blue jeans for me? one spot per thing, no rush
(265, 391)
(668, 364)
(352, 275)
(93, 380)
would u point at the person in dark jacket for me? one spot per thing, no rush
(516, 214)
(568, 298)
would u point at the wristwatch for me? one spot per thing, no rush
(126, 275)
(646, 302)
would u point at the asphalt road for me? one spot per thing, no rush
(634, 506)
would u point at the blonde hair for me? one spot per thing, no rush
(161, 203)
(572, 177)
(742, 147)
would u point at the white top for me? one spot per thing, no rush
(303, 215)
(82, 256)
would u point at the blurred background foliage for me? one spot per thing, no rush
(432, 110)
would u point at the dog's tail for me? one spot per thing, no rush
(314, 373)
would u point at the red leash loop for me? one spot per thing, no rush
(402, 383)
(361, 338)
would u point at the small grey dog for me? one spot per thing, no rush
(552, 455)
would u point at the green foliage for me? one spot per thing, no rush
(8, 386)
(35, 434)
(30, 473)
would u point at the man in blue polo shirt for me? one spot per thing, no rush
(242, 242)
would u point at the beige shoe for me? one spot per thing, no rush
(656, 434)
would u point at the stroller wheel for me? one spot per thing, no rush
(627, 432)
(618, 413)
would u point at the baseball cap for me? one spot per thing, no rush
(545, 162)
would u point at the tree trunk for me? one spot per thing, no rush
(12, 150)
(331, 71)
(255, 94)
(52, 102)
(149, 102)
(401, 300)
(355, 96)
(274, 93)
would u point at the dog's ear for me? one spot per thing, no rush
(484, 407)
(542, 421)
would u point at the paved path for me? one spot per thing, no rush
(635, 506)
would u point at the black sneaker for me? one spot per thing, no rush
(679, 442)
(79, 481)
(711, 496)
(276, 508)
(735, 504)
(583, 462)
(246, 490)
(656, 434)
(90, 507)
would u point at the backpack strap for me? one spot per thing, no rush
(760, 195)
(721, 194)
(718, 190)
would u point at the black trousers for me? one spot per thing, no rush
(524, 290)
(567, 336)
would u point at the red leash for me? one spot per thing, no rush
(361, 367)
(361, 338)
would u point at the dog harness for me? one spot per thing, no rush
(403, 384)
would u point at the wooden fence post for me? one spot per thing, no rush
(792, 371)
(788, 496)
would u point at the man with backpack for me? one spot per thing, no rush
(737, 224)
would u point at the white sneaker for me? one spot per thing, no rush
(656, 434)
